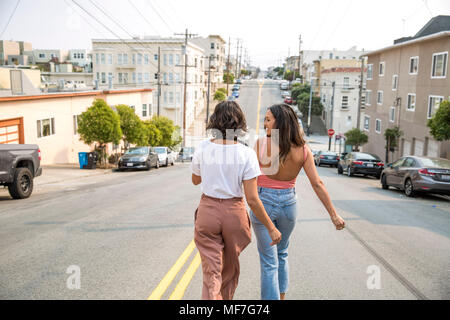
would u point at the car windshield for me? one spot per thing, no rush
(160, 150)
(329, 153)
(435, 162)
(187, 150)
(366, 156)
(137, 151)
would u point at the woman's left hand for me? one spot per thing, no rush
(338, 222)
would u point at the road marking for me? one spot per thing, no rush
(170, 275)
(182, 285)
(260, 84)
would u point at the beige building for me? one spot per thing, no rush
(50, 120)
(15, 51)
(135, 63)
(405, 84)
(214, 46)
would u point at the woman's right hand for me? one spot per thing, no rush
(275, 235)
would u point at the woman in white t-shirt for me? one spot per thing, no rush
(226, 171)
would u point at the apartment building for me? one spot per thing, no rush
(405, 84)
(50, 120)
(341, 83)
(14, 52)
(134, 62)
(214, 46)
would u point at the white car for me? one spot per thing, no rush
(284, 94)
(165, 156)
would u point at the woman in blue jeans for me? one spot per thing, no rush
(282, 154)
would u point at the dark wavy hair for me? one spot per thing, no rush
(290, 132)
(227, 115)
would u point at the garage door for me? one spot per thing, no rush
(406, 148)
(432, 148)
(11, 131)
(418, 148)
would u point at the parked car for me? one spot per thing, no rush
(236, 87)
(284, 94)
(361, 163)
(19, 165)
(284, 85)
(326, 157)
(165, 156)
(186, 154)
(235, 94)
(139, 158)
(300, 122)
(314, 152)
(238, 81)
(418, 174)
(288, 100)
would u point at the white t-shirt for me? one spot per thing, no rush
(223, 167)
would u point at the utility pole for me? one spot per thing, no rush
(299, 52)
(186, 34)
(209, 86)
(240, 61)
(361, 82)
(159, 81)
(331, 116)
(309, 108)
(228, 63)
(237, 57)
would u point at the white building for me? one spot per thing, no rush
(214, 46)
(134, 62)
(343, 114)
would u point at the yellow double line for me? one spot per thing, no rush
(182, 285)
(180, 288)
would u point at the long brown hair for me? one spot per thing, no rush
(290, 132)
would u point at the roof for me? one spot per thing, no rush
(70, 94)
(342, 69)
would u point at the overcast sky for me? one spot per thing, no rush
(268, 28)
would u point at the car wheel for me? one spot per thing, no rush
(383, 182)
(173, 162)
(349, 172)
(148, 166)
(340, 171)
(22, 186)
(167, 162)
(409, 189)
(157, 164)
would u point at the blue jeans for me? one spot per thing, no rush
(281, 206)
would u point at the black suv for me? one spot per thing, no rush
(368, 164)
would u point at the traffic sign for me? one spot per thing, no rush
(330, 132)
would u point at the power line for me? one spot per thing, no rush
(162, 19)
(10, 17)
(143, 17)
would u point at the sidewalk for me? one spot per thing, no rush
(64, 172)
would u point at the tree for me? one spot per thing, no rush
(303, 104)
(100, 124)
(228, 78)
(153, 135)
(298, 89)
(392, 135)
(439, 124)
(132, 127)
(356, 138)
(170, 135)
(219, 96)
(224, 90)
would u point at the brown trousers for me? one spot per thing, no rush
(222, 231)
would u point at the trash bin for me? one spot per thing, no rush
(92, 160)
(83, 159)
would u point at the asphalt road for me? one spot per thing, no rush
(125, 231)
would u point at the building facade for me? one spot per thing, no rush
(405, 84)
(50, 120)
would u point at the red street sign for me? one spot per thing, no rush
(330, 132)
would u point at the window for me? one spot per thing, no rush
(392, 114)
(110, 77)
(76, 119)
(139, 77)
(346, 82)
(411, 102)
(382, 69)
(103, 58)
(413, 65)
(170, 59)
(380, 97)
(97, 58)
(120, 77)
(45, 127)
(368, 97)
(103, 77)
(171, 77)
(378, 126)
(134, 77)
(133, 58)
(125, 58)
(110, 58)
(369, 71)
(155, 57)
(42, 55)
(177, 77)
(98, 75)
(125, 77)
(119, 58)
(394, 82)
(146, 77)
(344, 102)
(165, 59)
(171, 97)
(366, 123)
(139, 58)
(439, 67)
(177, 59)
(212, 45)
(433, 105)
(146, 58)
(165, 78)
(144, 110)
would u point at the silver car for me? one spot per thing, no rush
(418, 175)
(165, 156)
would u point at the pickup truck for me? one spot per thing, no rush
(19, 165)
